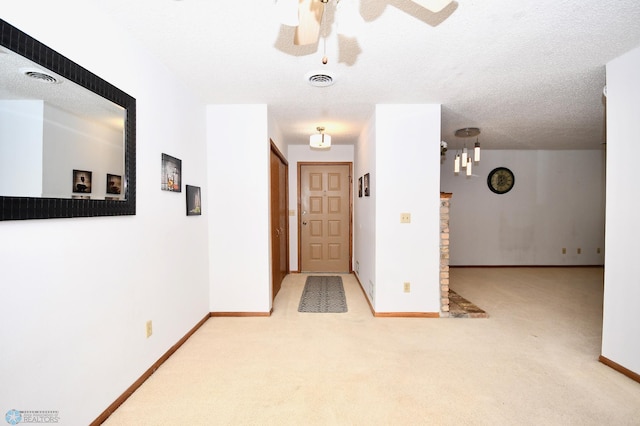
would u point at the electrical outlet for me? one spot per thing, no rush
(407, 287)
(405, 217)
(564, 250)
(579, 250)
(149, 328)
(598, 250)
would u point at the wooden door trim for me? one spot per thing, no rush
(325, 163)
(276, 151)
(280, 156)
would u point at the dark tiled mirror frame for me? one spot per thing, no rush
(20, 208)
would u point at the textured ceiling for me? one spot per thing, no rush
(529, 74)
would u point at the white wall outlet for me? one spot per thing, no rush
(407, 287)
(405, 217)
(149, 328)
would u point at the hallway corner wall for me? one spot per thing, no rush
(238, 188)
(621, 328)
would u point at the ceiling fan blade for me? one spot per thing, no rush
(310, 16)
(434, 6)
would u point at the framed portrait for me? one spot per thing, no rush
(367, 189)
(360, 186)
(171, 178)
(114, 184)
(194, 200)
(82, 181)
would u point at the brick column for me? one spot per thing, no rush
(445, 201)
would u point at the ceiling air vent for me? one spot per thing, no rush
(40, 76)
(320, 79)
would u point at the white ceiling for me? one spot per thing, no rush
(528, 73)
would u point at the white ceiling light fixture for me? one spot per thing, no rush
(307, 16)
(320, 140)
(465, 160)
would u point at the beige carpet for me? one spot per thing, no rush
(532, 362)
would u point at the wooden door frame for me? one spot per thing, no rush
(325, 163)
(276, 151)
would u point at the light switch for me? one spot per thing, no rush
(405, 217)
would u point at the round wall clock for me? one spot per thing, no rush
(501, 180)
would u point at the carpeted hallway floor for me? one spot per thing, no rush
(532, 362)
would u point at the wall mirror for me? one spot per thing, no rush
(67, 137)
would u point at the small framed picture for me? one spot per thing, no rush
(360, 186)
(194, 201)
(114, 184)
(367, 191)
(171, 178)
(82, 181)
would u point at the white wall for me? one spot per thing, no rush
(364, 215)
(302, 153)
(21, 130)
(41, 145)
(75, 143)
(621, 328)
(406, 178)
(557, 202)
(78, 292)
(275, 134)
(239, 234)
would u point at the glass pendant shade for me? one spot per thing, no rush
(320, 140)
(466, 160)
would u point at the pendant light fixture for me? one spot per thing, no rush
(466, 160)
(320, 140)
